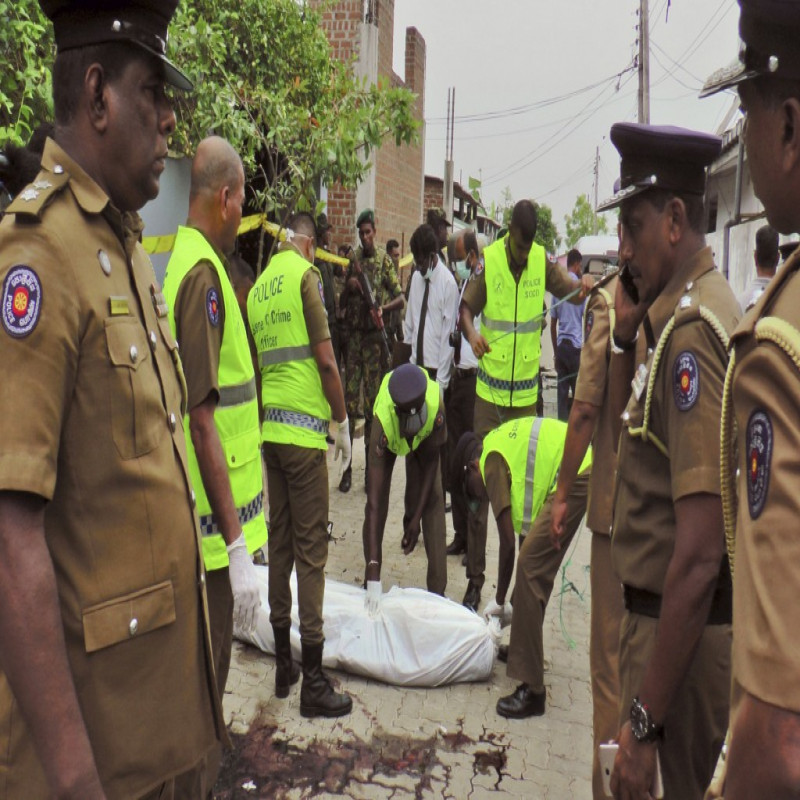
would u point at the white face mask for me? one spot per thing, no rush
(462, 270)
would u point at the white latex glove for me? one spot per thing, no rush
(343, 445)
(372, 602)
(244, 585)
(503, 613)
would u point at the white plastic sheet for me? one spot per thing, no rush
(417, 639)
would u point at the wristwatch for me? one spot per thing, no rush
(642, 725)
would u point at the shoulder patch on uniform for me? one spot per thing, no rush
(589, 324)
(758, 452)
(212, 306)
(439, 421)
(478, 269)
(685, 380)
(321, 292)
(380, 448)
(22, 301)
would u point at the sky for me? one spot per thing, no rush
(538, 84)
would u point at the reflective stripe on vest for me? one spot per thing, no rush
(297, 419)
(208, 526)
(532, 448)
(508, 374)
(296, 411)
(236, 415)
(384, 410)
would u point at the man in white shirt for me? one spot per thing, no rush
(432, 306)
(766, 257)
(468, 252)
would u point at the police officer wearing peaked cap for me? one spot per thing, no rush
(760, 431)
(669, 355)
(107, 678)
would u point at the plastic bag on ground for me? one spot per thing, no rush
(417, 638)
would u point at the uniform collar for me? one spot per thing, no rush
(128, 226)
(664, 305)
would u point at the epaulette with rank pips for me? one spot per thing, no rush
(29, 205)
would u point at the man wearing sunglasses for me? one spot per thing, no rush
(516, 470)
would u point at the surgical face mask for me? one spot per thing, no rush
(462, 270)
(411, 424)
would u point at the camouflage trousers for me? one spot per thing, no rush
(366, 363)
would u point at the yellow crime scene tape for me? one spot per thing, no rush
(155, 245)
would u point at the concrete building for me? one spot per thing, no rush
(364, 30)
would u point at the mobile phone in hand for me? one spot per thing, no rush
(607, 754)
(627, 283)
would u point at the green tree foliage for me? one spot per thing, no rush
(26, 44)
(265, 80)
(546, 231)
(583, 221)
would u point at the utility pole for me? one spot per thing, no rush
(448, 158)
(596, 182)
(644, 62)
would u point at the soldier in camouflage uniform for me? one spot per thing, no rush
(367, 361)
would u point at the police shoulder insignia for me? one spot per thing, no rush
(589, 324)
(383, 443)
(758, 453)
(212, 306)
(439, 421)
(321, 292)
(22, 301)
(685, 380)
(478, 269)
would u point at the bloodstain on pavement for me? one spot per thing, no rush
(266, 763)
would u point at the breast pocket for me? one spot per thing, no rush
(137, 415)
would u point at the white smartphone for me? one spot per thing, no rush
(607, 753)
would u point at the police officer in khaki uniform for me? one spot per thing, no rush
(590, 422)
(409, 421)
(760, 428)
(510, 301)
(667, 544)
(300, 389)
(223, 435)
(107, 684)
(515, 468)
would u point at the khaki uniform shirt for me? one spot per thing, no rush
(556, 281)
(382, 278)
(592, 388)
(93, 425)
(685, 417)
(766, 387)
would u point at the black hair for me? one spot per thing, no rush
(774, 91)
(524, 219)
(695, 206)
(302, 222)
(391, 244)
(69, 71)
(18, 167)
(767, 253)
(423, 243)
(470, 241)
(574, 257)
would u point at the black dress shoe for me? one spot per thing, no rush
(472, 597)
(347, 477)
(522, 703)
(502, 653)
(456, 548)
(464, 560)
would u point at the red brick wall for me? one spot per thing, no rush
(399, 171)
(434, 195)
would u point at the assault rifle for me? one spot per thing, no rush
(375, 309)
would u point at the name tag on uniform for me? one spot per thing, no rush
(118, 306)
(639, 381)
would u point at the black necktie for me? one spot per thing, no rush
(421, 332)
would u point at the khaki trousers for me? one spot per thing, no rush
(607, 611)
(487, 417)
(297, 484)
(695, 726)
(537, 567)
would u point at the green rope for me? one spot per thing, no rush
(568, 586)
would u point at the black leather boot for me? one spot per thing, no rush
(347, 478)
(287, 673)
(317, 698)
